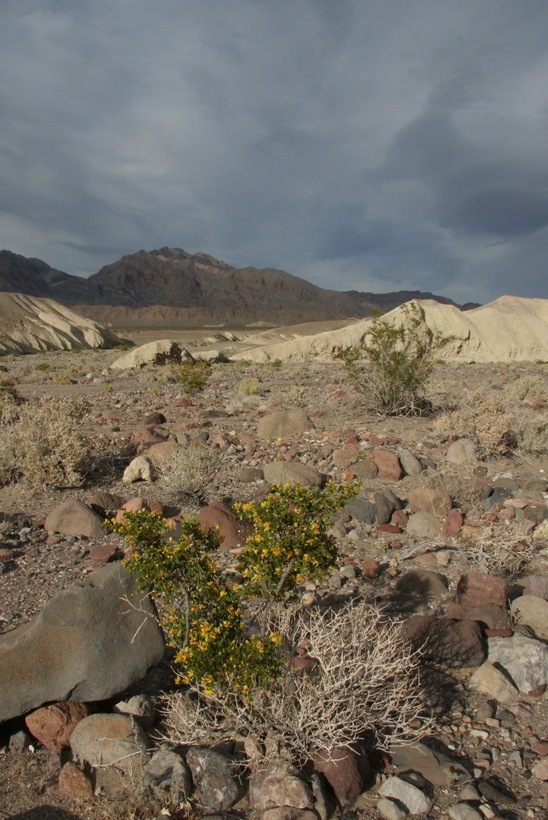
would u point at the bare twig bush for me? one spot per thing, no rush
(529, 387)
(505, 549)
(9, 402)
(466, 491)
(364, 679)
(251, 386)
(188, 471)
(50, 448)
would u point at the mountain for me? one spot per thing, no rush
(170, 287)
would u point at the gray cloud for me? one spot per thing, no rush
(361, 145)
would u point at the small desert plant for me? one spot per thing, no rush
(251, 386)
(9, 402)
(192, 376)
(363, 679)
(276, 363)
(504, 549)
(51, 449)
(43, 366)
(394, 362)
(529, 387)
(188, 471)
(497, 425)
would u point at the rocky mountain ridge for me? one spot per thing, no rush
(168, 287)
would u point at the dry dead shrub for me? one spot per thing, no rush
(484, 417)
(50, 448)
(529, 387)
(504, 549)
(251, 386)
(9, 402)
(531, 430)
(188, 471)
(364, 679)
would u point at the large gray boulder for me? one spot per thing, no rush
(88, 643)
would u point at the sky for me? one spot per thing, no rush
(374, 145)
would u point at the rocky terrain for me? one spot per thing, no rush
(425, 540)
(170, 288)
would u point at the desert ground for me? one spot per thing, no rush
(500, 744)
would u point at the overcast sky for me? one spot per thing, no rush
(361, 144)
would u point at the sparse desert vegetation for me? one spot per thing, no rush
(345, 675)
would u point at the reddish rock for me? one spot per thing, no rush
(399, 517)
(507, 514)
(220, 442)
(233, 531)
(393, 528)
(53, 725)
(344, 457)
(376, 441)
(388, 465)
(346, 774)
(146, 435)
(453, 523)
(74, 783)
(370, 568)
(541, 748)
(498, 633)
(475, 589)
(104, 553)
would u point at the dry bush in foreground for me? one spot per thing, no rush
(505, 549)
(49, 447)
(364, 679)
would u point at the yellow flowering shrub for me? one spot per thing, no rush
(204, 617)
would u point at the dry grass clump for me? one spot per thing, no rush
(466, 491)
(251, 386)
(505, 549)
(45, 444)
(364, 679)
(9, 402)
(498, 424)
(529, 387)
(188, 471)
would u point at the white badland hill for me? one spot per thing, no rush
(29, 324)
(510, 329)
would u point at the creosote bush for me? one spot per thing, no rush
(204, 614)
(192, 376)
(393, 363)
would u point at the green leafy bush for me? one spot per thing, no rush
(394, 362)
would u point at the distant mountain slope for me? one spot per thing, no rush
(169, 287)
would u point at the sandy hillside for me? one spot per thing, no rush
(506, 330)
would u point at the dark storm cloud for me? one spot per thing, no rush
(370, 145)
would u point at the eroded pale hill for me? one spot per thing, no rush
(29, 324)
(508, 329)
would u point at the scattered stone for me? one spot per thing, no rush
(362, 510)
(410, 463)
(140, 469)
(111, 740)
(462, 452)
(476, 589)
(390, 810)
(414, 800)
(430, 500)
(167, 769)
(370, 568)
(540, 769)
(234, 533)
(424, 525)
(53, 725)
(292, 472)
(279, 785)
(463, 811)
(73, 517)
(284, 423)
(525, 660)
(533, 611)
(388, 465)
(74, 783)
(214, 777)
(452, 524)
(53, 657)
(456, 643)
(365, 469)
(140, 707)
(433, 765)
(422, 582)
(344, 772)
(492, 682)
